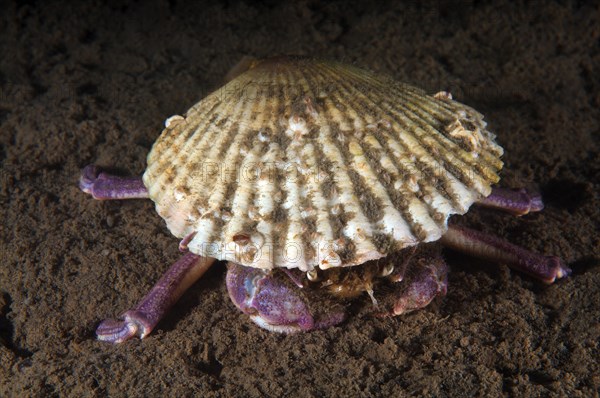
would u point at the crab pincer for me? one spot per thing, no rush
(276, 303)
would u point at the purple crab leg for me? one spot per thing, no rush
(490, 247)
(105, 186)
(516, 201)
(141, 319)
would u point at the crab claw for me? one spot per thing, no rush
(426, 279)
(275, 303)
(430, 282)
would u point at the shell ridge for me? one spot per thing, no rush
(316, 229)
(444, 159)
(357, 226)
(447, 110)
(357, 165)
(265, 205)
(334, 208)
(209, 174)
(369, 104)
(237, 225)
(443, 111)
(245, 192)
(458, 190)
(264, 184)
(185, 155)
(292, 254)
(208, 240)
(400, 165)
(278, 214)
(325, 246)
(429, 165)
(215, 169)
(413, 139)
(163, 161)
(201, 117)
(322, 228)
(486, 155)
(397, 219)
(351, 150)
(484, 170)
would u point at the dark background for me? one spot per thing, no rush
(93, 84)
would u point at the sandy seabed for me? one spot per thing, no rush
(93, 84)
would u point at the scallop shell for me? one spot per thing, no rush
(302, 163)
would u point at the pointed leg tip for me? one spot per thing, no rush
(533, 199)
(559, 269)
(115, 331)
(536, 203)
(89, 175)
(118, 331)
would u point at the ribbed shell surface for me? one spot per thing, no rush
(301, 163)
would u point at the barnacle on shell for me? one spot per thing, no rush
(302, 163)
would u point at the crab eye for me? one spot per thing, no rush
(312, 275)
(387, 269)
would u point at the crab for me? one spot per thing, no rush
(365, 229)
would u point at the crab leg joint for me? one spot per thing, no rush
(489, 247)
(105, 186)
(515, 201)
